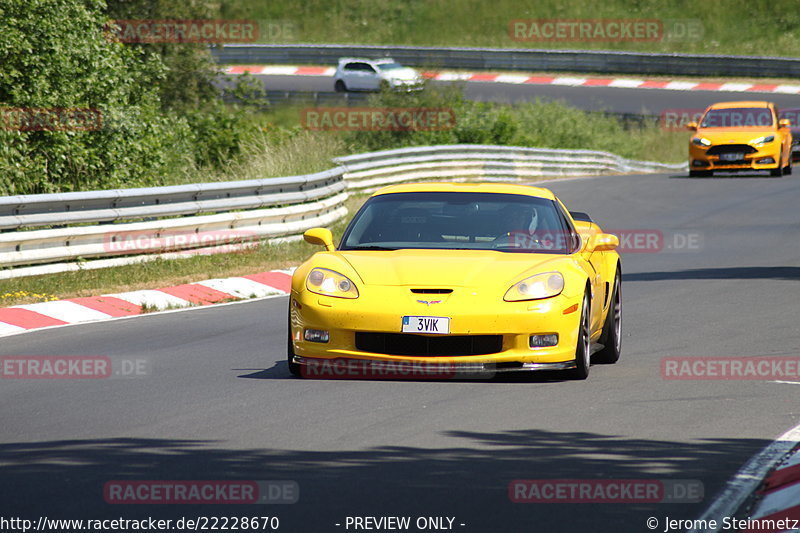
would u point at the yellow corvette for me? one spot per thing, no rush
(478, 278)
(736, 136)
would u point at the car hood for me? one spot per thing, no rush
(405, 74)
(447, 268)
(731, 136)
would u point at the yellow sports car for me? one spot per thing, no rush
(478, 278)
(736, 136)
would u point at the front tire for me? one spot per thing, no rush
(340, 87)
(583, 348)
(294, 368)
(611, 338)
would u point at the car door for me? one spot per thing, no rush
(591, 262)
(370, 79)
(351, 75)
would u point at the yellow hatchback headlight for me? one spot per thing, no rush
(763, 140)
(330, 283)
(536, 287)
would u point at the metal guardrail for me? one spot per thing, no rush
(244, 213)
(177, 200)
(518, 59)
(485, 162)
(230, 230)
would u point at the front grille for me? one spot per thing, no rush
(431, 291)
(731, 148)
(420, 345)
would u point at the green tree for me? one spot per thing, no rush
(55, 54)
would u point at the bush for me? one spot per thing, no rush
(545, 124)
(55, 55)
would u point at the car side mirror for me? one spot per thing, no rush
(605, 242)
(784, 123)
(320, 237)
(691, 126)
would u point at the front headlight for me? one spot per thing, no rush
(763, 140)
(536, 287)
(700, 141)
(330, 283)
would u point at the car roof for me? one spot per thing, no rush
(745, 103)
(496, 188)
(366, 60)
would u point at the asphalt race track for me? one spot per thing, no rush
(219, 403)
(614, 99)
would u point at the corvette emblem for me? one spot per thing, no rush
(429, 302)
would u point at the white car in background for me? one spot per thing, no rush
(361, 74)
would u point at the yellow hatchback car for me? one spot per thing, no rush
(740, 136)
(475, 278)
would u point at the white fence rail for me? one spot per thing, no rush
(219, 217)
(486, 162)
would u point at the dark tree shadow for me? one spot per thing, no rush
(783, 273)
(468, 480)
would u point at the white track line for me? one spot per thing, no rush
(681, 85)
(65, 311)
(22, 331)
(790, 89)
(627, 84)
(735, 87)
(573, 82)
(8, 329)
(152, 298)
(512, 78)
(748, 478)
(240, 287)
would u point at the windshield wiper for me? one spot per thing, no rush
(370, 247)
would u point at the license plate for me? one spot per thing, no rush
(426, 324)
(731, 157)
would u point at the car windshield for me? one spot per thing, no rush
(390, 66)
(458, 221)
(737, 117)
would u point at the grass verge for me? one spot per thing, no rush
(726, 27)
